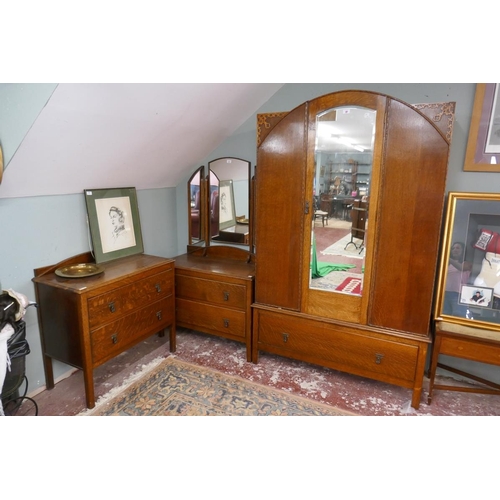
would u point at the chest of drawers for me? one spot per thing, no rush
(85, 322)
(214, 296)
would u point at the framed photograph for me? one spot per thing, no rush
(476, 296)
(227, 211)
(468, 288)
(483, 145)
(115, 228)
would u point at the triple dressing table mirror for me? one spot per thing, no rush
(214, 278)
(229, 198)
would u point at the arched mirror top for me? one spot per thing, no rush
(229, 201)
(196, 208)
(343, 159)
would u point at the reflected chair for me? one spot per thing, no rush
(359, 215)
(320, 214)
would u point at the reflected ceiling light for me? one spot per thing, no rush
(345, 142)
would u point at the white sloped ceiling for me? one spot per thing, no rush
(103, 135)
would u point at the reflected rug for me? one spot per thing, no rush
(339, 248)
(177, 388)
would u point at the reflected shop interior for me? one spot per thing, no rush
(341, 193)
(220, 200)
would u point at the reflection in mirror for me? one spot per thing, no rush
(341, 194)
(195, 209)
(229, 200)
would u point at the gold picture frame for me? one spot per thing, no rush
(472, 222)
(483, 153)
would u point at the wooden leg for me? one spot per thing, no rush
(419, 377)
(88, 378)
(433, 368)
(49, 372)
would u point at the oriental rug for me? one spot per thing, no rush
(177, 388)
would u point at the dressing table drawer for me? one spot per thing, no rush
(214, 295)
(208, 290)
(213, 318)
(113, 304)
(113, 338)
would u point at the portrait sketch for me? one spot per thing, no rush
(116, 224)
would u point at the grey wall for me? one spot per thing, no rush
(40, 231)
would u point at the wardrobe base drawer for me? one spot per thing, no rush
(325, 344)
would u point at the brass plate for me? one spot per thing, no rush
(79, 270)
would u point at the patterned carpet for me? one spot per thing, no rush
(176, 388)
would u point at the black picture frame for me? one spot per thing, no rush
(114, 223)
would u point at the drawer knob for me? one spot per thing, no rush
(114, 338)
(226, 323)
(285, 337)
(378, 358)
(226, 296)
(158, 287)
(112, 307)
(158, 315)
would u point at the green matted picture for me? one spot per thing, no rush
(115, 227)
(227, 211)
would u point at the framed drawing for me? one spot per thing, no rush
(468, 290)
(483, 145)
(115, 228)
(227, 211)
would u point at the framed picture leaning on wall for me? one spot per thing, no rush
(114, 224)
(483, 144)
(468, 291)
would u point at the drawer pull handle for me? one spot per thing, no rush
(226, 296)
(158, 287)
(285, 337)
(112, 307)
(378, 358)
(114, 338)
(158, 315)
(226, 323)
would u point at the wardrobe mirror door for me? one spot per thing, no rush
(341, 193)
(196, 208)
(229, 201)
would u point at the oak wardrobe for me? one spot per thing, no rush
(377, 322)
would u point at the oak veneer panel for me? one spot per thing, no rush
(409, 222)
(279, 211)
